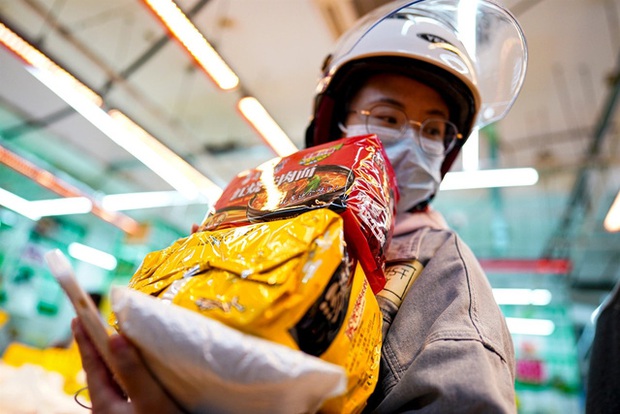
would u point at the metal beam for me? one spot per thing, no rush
(559, 243)
(114, 77)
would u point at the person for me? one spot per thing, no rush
(603, 375)
(421, 79)
(420, 75)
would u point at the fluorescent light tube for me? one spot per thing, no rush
(38, 60)
(194, 42)
(93, 256)
(34, 210)
(509, 177)
(470, 152)
(525, 326)
(120, 129)
(49, 181)
(17, 204)
(264, 124)
(61, 206)
(612, 219)
(153, 199)
(87, 103)
(164, 162)
(536, 297)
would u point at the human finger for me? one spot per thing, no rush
(145, 392)
(103, 390)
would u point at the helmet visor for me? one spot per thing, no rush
(485, 33)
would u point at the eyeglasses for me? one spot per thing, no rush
(429, 132)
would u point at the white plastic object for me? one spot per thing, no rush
(85, 308)
(207, 366)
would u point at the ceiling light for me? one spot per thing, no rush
(509, 177)
(17, 204)
(536, 297)
(61, 206)
(34, 210)
(194, 42)
(470, 152)
(264, 124)
(37, 59)
(526, 326)
(147, 149)
(164, 162)
(129, 136)
(93, 256)
(612, 220)
(153, 199)
(49, 181)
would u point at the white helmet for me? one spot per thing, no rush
(472, 52)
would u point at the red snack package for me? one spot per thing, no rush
(350, 176)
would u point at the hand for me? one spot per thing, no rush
(145, 393)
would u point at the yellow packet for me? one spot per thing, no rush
(357, 348)
(288, 281)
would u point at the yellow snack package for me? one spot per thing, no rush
(289, 281)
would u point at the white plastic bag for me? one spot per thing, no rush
(209, 367)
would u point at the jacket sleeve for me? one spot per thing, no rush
(447, 348)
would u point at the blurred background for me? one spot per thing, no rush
(100, 103)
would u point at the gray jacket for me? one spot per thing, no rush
(447, 348)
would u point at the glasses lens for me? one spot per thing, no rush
(437, 136)
(383, 116)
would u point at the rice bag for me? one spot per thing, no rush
(208, 367)
(350, 176)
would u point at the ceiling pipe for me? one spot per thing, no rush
(114, 77)
(150, 52)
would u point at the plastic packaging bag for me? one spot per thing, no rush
(350, 176)
(289, 281)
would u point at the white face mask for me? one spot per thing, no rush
(418, 174)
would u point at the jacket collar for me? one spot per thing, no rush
(408, 222)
